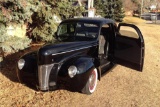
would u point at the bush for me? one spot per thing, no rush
(11, 44)
(67, 10)
(44, 24)
(15, 11)
(38, 15)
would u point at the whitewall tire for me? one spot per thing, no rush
(91, 84)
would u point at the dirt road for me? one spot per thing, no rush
(122, 87)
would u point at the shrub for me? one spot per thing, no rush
(44, 24)
(11, 44)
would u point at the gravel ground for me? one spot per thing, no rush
(122, 87)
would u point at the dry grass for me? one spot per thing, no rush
(122, 87)
(134, 20)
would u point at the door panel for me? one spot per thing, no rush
(129, 50)
(105, 34)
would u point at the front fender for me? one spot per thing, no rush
(84, 65)
(28, 74)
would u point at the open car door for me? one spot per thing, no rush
(129, 46)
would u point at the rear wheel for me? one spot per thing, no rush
(91, 84)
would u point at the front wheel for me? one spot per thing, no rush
(91, 84)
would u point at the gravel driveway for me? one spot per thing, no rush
(122, 87)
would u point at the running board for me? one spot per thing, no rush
(104, 65)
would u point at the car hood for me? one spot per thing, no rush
(57, 52)
(60, 48)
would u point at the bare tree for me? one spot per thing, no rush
(129, 5)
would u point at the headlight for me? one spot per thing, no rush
(21, 63)
(72, 71)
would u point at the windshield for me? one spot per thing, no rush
(77, 32)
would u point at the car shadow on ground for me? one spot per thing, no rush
(8, 67)
(9, 64)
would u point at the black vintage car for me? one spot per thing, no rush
(84, 50)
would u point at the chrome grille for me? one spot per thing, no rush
(43, 76)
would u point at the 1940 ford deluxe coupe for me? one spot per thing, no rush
(85, 49)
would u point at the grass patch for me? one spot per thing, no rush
(133, 20)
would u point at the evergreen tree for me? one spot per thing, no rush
(118, 11)
(112, 9)
(100, 7)
(109, 9)
(17, 11)
(11, 44)
(38, 15)
(14, 11)
(43, 23)
(67, 10)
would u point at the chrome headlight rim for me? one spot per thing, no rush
(72, 71)
(21, 63)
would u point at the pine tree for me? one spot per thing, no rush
(67, 10)
(99, 6)
(109, 9)
(43, 23)
(18, 12)
(38, 15)
(112, 9)
(118, 11)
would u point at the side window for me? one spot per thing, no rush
(72, 28)
(66, 29)
(62, 29)
(128, 32)
(87, 30)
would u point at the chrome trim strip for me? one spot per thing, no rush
(73, 50)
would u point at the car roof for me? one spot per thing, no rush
(89, 20)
